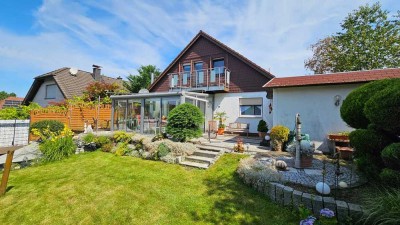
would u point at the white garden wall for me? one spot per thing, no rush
(229, 102)
(316, 105)
(7, 132)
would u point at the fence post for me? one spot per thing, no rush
(6, 172)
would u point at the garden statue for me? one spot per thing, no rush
(298, 140)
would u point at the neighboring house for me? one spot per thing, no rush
(233, 82)
(10, 102)
(62, 84)
(317, 98)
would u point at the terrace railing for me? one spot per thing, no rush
(215, 79)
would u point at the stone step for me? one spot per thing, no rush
(205, 153)
(195, 158)
(210, 148)
(195, 164)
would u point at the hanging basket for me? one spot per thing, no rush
(306, 161)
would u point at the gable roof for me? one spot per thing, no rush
(334, 78)
(219, 44)
(69, 85)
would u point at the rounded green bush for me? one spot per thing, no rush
(53, 125)
(383, 108)
(262, 126)
(162, 151)
(390, 177)
(279, 133)
(352, 109)
(367, 141)
(367, 165)
(391, 156)
(184, 122)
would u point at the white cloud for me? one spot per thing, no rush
(122, 35)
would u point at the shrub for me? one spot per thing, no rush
(121, 136)
(352, 109)
(369, 165)
(367, 141)
(391, 156)
(184, 122)
(58, 147)
(279, 134)
(20, 113)
(102, 140)
(383, 108)
(89, 138)
(390, 177)
(262, 126)
(162, 151)
(107, 147)
(382, 208)
(122, 149)
(46, 126)
(158, 137)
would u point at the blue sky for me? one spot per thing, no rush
(39, 36)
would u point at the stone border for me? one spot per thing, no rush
(287, 196)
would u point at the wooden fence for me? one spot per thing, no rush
(75, 117)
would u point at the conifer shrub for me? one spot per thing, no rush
(352, 109)
(391, 156)
(184, 122)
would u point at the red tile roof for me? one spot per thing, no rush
(334, 78)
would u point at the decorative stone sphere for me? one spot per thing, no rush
(267, 137)
(323, 188)
(304, 144)
(343, 184)
(281, 165)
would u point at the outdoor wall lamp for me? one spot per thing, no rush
(337, 99)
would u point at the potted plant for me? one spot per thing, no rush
(221, 117)
(262, 129)
(279, 134)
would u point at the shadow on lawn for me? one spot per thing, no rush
(235, 202)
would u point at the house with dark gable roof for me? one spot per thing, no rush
(208, 74)
(62, 84)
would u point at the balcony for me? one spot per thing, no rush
(210, 80)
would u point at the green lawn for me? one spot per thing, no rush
(105, 189)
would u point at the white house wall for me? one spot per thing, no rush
(319, 115)
(40, 96)
(229, 102)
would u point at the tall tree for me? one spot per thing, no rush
(142, 80)
(4, 95)
(369, 40)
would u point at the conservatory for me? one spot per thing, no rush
(148, 112)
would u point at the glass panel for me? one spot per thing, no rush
(119, 115)
(186, 74)
(212, 76)
(133, 117)
(152, 111)
(166, 107)
(250, 110)
(199, 72)
(51, 91)
(174, 80)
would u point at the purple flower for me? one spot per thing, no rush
(327, 213)
(309, 221)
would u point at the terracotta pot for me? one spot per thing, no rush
(221, 131)
(306, 161)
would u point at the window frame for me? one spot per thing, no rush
(251, 105)
(55, 92)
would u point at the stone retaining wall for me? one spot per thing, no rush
(287, 196)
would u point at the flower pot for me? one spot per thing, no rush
(338, 137)
(262, 135)
(221, 131)
(306, 161)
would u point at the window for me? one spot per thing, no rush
(250, 107)
(174, 80)
(198, 66)
(218, 69)
(51, 91)
(186, 74)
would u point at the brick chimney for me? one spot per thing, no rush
(96, 73)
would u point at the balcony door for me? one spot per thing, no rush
(186, 75)
(217, 71)
(198, 66)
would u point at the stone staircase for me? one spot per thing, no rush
(203, 157)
